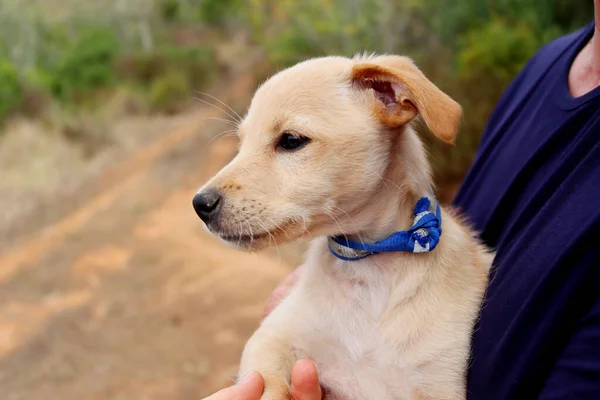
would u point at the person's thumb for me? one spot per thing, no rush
(250, 387)
(305, 381)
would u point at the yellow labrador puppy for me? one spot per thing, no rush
(391, 285)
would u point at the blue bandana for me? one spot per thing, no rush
(422, 236)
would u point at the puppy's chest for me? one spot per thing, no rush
(371, 372)
(356, 355)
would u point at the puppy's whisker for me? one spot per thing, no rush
(275, 241)
(240, 231)
(338, 224)
(392, 182)
(239, 117)
(227, 121)
(222, 135)
(218, 108)
(251, 233)
(398, 187)
(271, 237)
(298, 219)
(352, 222)
(304, 226)
(385, 183)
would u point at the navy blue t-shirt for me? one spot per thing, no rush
(534, 194)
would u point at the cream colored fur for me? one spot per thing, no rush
(390, 326)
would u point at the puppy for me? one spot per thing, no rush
(386, 303)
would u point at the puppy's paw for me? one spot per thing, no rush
(270, 396)
(276, 391)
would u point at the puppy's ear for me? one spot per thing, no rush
(401, 92)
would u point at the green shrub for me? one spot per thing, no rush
(546, 18)
(217, 12)
(299, 30)
(11, 89)
(54, 42)
(291, 47)
(141, 68)
(169, 10)
(87, 65)
(197, 64)
(170, 91)
(496, 51)
(488, 58)
(39, 78)
(36, 102)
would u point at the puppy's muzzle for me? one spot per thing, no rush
(207, 204)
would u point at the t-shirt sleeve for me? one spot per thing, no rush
(576, 373)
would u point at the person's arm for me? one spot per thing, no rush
(281, 291)
(305, 385)
(576, 374)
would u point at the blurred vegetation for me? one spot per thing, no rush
(87, 64)
(11, 91)
(471, 49)
(76, 52)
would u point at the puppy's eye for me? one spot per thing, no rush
(292, 141)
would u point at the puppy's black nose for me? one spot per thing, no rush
(206, 204)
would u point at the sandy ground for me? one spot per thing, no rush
(126, 296)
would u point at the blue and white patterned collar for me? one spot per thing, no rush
(423, 236)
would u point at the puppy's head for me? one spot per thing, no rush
(317, 144)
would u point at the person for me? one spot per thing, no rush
(305, 385)
(533, 193)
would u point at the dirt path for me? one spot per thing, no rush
(127, 297)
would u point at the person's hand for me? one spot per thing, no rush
(305, 381)
(249, 388)
(282, 291)
(305, 385)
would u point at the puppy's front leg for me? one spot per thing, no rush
(270, 352)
